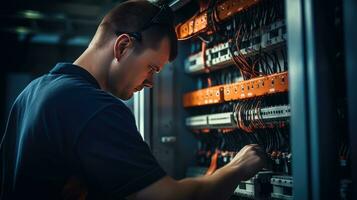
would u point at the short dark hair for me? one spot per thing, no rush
(135, 16)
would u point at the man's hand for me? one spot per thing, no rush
(248, 161)
(218, 186)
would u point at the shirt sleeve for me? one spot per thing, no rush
(115, 159)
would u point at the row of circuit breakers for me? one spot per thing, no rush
(219, 56)
(229, 119)
(251, 106)
(263, 185)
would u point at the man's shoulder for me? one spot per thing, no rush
(77, 93)
(68, 95)
(68, 102)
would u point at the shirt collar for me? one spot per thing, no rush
(69, 68)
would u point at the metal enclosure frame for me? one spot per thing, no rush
(350, 32)
(172, 142)
(298, 102)
(312, 98)
(163, 119)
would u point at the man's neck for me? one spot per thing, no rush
(96, 64)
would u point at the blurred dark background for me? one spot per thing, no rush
(36, 34)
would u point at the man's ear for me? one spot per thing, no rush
(122, 45)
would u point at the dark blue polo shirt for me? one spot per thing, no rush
(63, 126)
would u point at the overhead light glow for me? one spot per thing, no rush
(22, 30)
(31, 14)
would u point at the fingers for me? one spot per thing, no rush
(267, 163)
(263, 156)
(250, 147)
(254, 147)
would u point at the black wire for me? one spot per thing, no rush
(267, 63)
(283, 52)
(276, 57)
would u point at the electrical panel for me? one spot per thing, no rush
(238, 63)
(238, 60)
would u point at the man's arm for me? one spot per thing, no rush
(219, 185)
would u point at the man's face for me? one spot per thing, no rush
(136, 70)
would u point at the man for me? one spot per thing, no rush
(69, 137)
